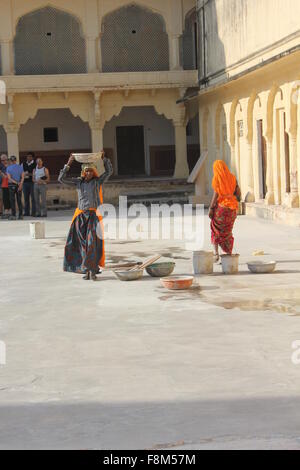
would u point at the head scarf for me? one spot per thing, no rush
(224, 184)
(91, 166)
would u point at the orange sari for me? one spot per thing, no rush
(224, 184)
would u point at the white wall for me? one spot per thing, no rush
(237, 29)
(73, 133)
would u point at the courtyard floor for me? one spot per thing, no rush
(112, 365)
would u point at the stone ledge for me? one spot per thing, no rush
(278, 214)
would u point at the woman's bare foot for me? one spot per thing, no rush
(93, 277)
(86, 276)
(216, 257)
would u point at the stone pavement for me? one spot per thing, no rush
(112, 365)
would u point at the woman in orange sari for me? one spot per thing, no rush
(223, 208)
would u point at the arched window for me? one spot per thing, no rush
(190, 42)
(134, 39)
(49, 41)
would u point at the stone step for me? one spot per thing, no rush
(158, 197)
(58, 207)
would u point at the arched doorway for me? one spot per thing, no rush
(52, 135)
(140, 143)
(134, 39)
(189, 42)
(49, 41)
(193, 141)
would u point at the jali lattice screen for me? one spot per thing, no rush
(134, 39)
(49, 41)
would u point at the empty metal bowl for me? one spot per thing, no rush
(261, 267)
(160, 269)
(129, 275)
(177, 282)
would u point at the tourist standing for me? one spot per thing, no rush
(41, 178)
(28, 186)
(4, 186)
(15, 175)
(2, 167)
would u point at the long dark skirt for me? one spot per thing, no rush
(84, 248)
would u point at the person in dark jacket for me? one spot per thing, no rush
(28, 186)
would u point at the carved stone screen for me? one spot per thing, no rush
(49, 41)
(189, 42)
(134, 39)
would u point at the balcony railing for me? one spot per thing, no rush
(106, 81)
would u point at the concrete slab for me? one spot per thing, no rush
(111, 365)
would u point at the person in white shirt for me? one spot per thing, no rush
(41, 178)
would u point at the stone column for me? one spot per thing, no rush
(294, 196)
(250, 183)
(91, 52)
(181, 167)
(97, 139)
(7, 57)
(12, 133)
(97, 144)
(269, 199)
(174, 52)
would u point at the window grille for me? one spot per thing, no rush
(49, 41)
(134, 39)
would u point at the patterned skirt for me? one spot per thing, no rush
(221, 228)
(84, 248)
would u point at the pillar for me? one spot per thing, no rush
(181, 166)
(174, 41)
(269, 199)
(7, 57)
(97, 144)
(91, 52)
(294, 196)
(250, 175)
(12, 134)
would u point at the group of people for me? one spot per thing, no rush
(84, 250)
(29, 179)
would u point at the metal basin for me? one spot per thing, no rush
(87, 157)
(177, 282)
(261, 267)
(160, 269)
(129, 275)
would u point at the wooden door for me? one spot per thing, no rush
(131, 150)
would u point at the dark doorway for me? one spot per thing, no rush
(262, 153)
(131, 150)
(287, 157)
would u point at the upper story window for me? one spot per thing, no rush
(190, 42)
(49, 41)
(134, 39)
